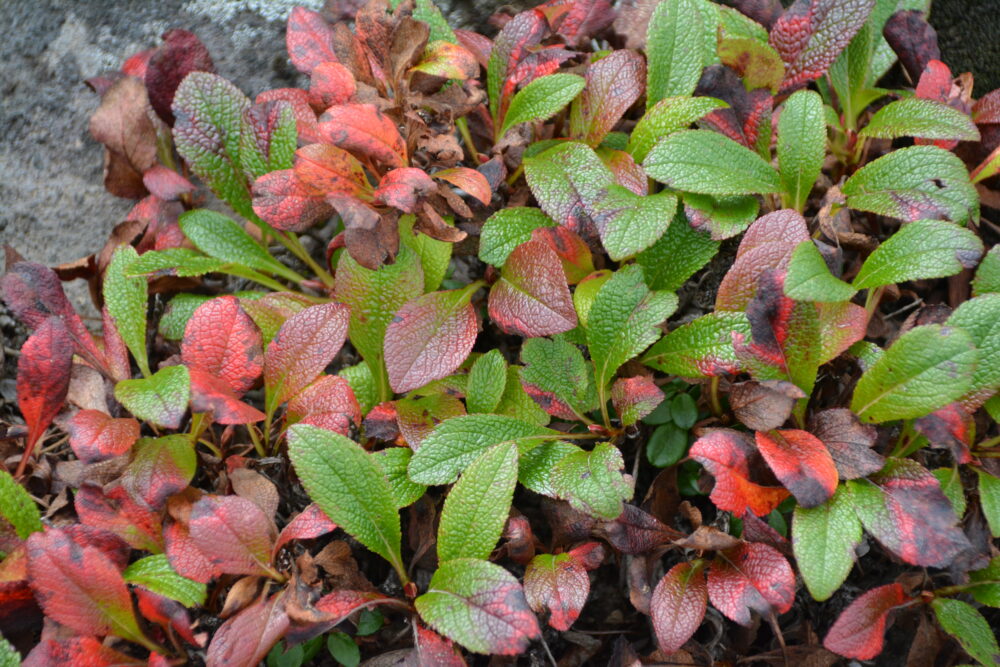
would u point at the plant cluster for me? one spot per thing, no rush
(672, 299)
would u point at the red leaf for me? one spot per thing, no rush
(104, 541)
(678, 605)
(559, 584)
(118, 512)
(283, 201)
(811, 34)
(935, 82)
(987, 108)
(330, 83)
(404, 188)
(180, 54)
(307, 524)
(750, 577)
(79, 651)
(613, 84)
(417, 417)
(185, 556)
(573, 251)
(428, 338)
(364, 130)
(304, 345)
(476, 44)
(583, 20)
(511, 46)
(305, 117)
(371, 237)
(79, 586)
(434, 650)
(726, 455)
(381, 422)
(43, 373)
(635, 397)
(951, 428)
(213, 395)
(860, 630)
(221, 339)
(160, 467)
(244, 639)
(913, 39)
(469, 180)
(841, 325)
(166, 613)
(627, 173)
(165, 183)
(95, 437)
(328, 403)
(849, 441)
(115, 351)
(340, 604)
(532, 297)
(309, 39)
(234, 533)
(802, 464)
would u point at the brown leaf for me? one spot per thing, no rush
(372, 238)
(762, 406)
(707, 538)
(849, 441)
(123, 125)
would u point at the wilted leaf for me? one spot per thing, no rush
(726, 455)
(323, 169)
(706, 162)
(859, 631)
(678, 605)
(222, 340)
(762, 406)
(307, 524)
(918, 251)
(752, 577)
(824, 539)
(558, 584)
(532, 298)
(447, 60)
(162, 398)
(121, 123)
(404, 188)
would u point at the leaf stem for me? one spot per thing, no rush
(961, 588)
(713, 396)
(463, 128)
(872, 301)
(299, 250)
(516, 175)
(255, 439)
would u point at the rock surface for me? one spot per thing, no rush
(54, 208)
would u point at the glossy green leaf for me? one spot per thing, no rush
(209, 123)
(162, 398)
(156, 574)
(926, 368)
(919, 117)
(915, 183)
(219, 236)
(394, 462)
(987, 278)
(541, 99)
(809, 278)
(801, 146)
(823, 540)
(918, 251)
(457, 442)
(989, 500)
(125, 298)
(475, 511)
(973, 632)
(557, 373)
(349, 486)
(706, 162)
(701, 348)
(674, 49)
(667, 445)
(666, 117)
(988, 592)
(9, 656)
(508, 228)
(592, 482)
(343, 649)
(177, 313)
(17, 507)
(362, 384)
(487, 380)
(734, 23)
(676, 256)
(980, 318)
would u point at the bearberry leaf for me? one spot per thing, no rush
(635, 397)
(860, 630)
(324, 169)
(593, 482)
(726, 455)
(557, 583)
(476, 508)
(222, 340)
(43, 376)
(429, 337)
(155, 573)
(989, 499)
(364, 130)
(809, 278)
(701, 348)
(268, 138)
(987, 591)
(980, 318)
(541, 99)
(678, 605)
(751, 577)
(210, 394)
(162, 398)
(125, 298)
(309, 40)
(18, 508)
(219, 236)
(677, 255)
(532, 298)
(479, 605)
(918, 251)
(987, 278)
(823, 539)
(487, 380)
(328, 402)
(507, 229)
(918, 117)
(234, 533)
(349, 486)
(245, 638)
(160, 467)
(209, 119)
(963, 622)
(801, 146)
(706, 162)
(95, 436)
(927, 367)
(666, 117)
(849, 441)
(613, 84)
(674, 44)
(801, 462)
(557, 377)
(180, 262)
(914, 183)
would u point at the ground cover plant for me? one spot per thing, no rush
(664, 333)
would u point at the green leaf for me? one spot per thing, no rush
(508, 228)
(541, 99)
(919, 117)
(666, 117)
(801, 146)
(850, 74)
(987, 278)
(723, 217)
(209, 123)
(674, 49)
(457, 442)
(476, 508)
(343, 649)
(926, 368)
(629, 223)
(160, 467)
(394, 462)
(987, 593)
(350, 488)
(219, 236)
(9, 656)
(180, 262)
(487, 380)
(428, 12)
(435, 256)
(479, 605)
(706, 162)
(536, 466)
(125, 298)
(156, 574)
(951, 486)
(913, 184)
(559, 373)
(680, 253)
(809, 278)
(586, 292)
(592, 482)
(162, 398)
(989, 500)
(973, 632)
(918, 251)
(17, 507)
(683, 410)
(667, 445)
(281, 142)
(177, 313)
(623, 322)
(980, 317)
(362, 382)
(823, 540)
(516, 402)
